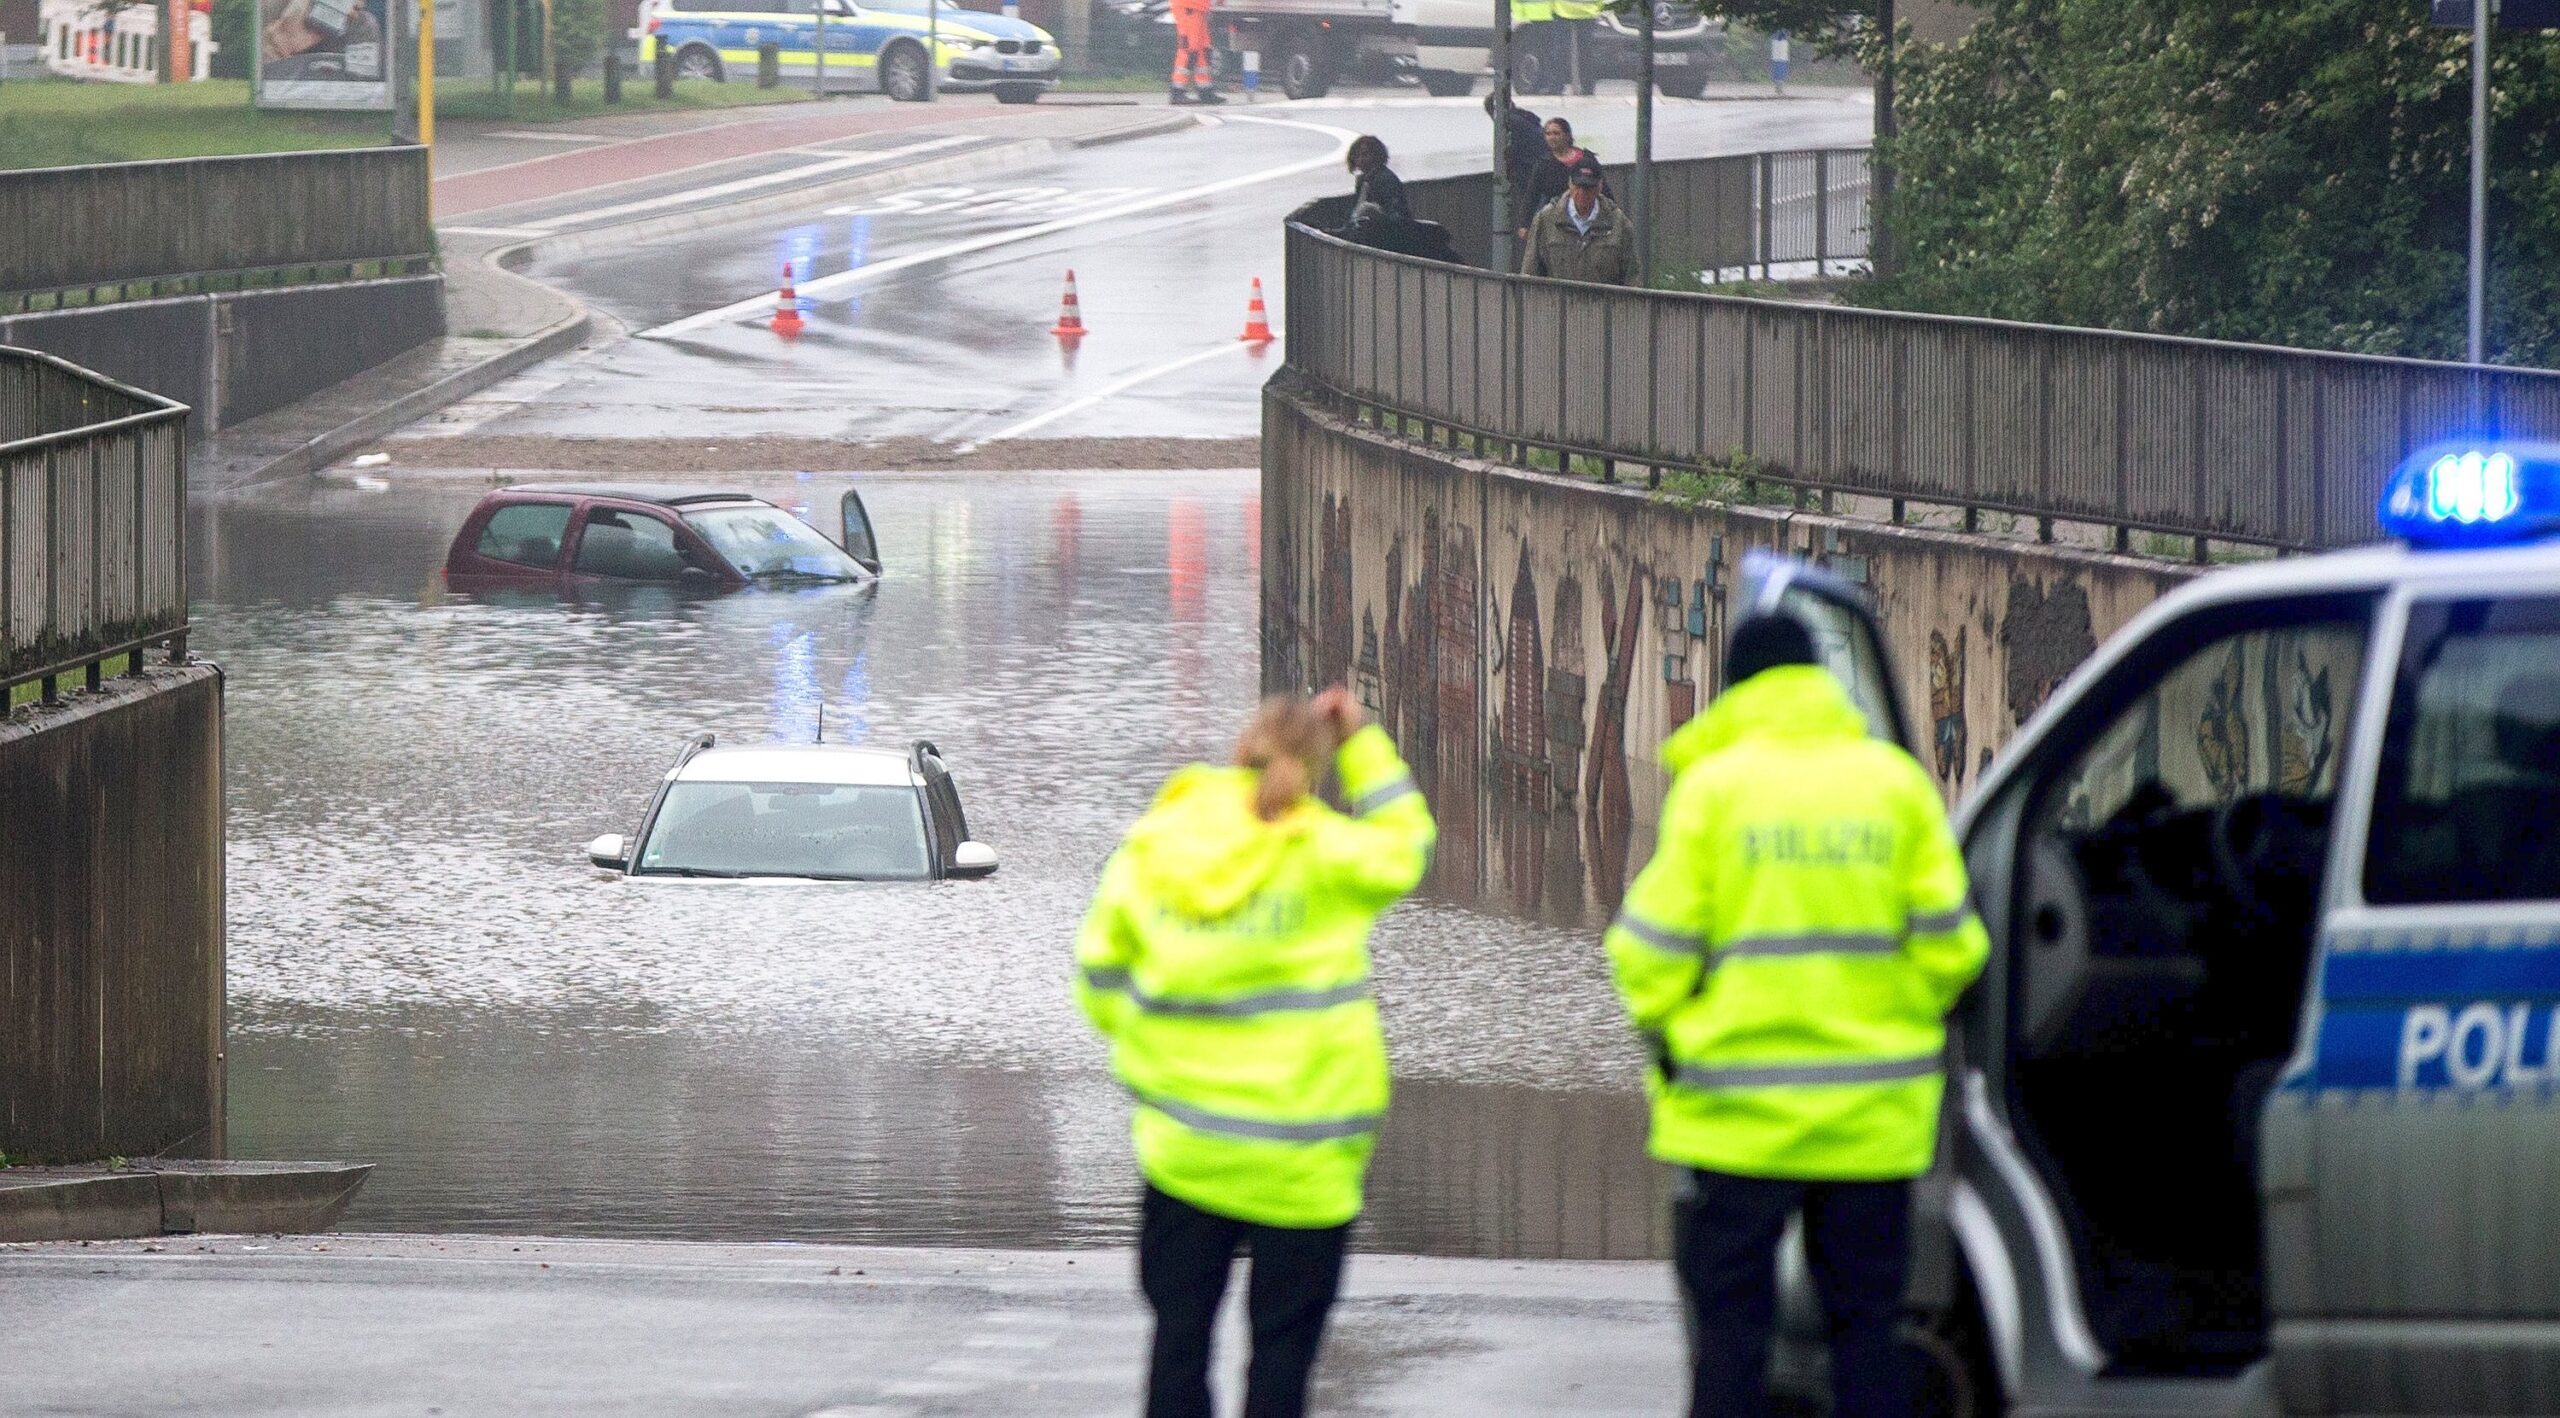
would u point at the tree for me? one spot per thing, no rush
(2292, 173)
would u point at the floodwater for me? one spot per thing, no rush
(426, 974)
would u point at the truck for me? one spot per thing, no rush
(1448, 44)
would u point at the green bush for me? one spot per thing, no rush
(578, 33)
(2289, 173)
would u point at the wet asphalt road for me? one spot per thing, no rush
(425, 973)
(956, 346)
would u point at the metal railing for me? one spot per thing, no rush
(93, 548)
(117, 231)
(2195, 439)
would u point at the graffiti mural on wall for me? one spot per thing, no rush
(2047, 633)
(1946, 704)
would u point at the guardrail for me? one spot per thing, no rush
(123, 231)
(93, 547)
(2190, 438)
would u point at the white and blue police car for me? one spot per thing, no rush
(871, 45)
(2256, 1109)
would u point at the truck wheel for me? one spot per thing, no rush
(1534, 71)
(1306, 67)
(1683, 84)
(1439, 84)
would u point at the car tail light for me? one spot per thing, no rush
(655, 21)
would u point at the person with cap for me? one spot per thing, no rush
(1582, 235)
(1551, 172)
(1789, 957)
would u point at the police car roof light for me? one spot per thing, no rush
(2474, 495)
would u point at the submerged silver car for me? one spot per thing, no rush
(823, 812)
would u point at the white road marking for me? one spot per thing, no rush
(1113, 390)
(825, 286)
(528, 137)
(748, 184)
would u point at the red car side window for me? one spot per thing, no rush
(525, 533)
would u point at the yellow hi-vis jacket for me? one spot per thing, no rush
(1792, 950)
(1227, 961)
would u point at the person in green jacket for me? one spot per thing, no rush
(1789, 957)
(1226, 959)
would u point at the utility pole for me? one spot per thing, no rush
(1642, 192)
(822, 48)
(427, 85)
(1503, 257)
(2477, 346)
(932, 45)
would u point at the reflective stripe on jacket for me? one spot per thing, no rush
(1227, 961)
(1791, 951)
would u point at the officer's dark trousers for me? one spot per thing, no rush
(1725, 1231)
(1183, 1257)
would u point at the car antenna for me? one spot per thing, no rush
(822, 721)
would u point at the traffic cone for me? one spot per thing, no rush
(1257, 321)
(786, 308)
(1070, 324)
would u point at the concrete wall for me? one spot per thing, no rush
(111, 922)
(1542, 635)
(234, 357)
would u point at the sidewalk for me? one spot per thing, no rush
(364, 1325)
(644, 175)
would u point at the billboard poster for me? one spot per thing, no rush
(325, 54)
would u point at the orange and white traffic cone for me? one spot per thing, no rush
(1257, 320)
(786, 307)
(1070, 324)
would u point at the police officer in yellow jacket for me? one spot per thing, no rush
(1789, 955)
(1226, 959)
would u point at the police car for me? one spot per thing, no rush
(2256, 1108)
(871, 45)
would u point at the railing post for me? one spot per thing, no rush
(1768, 209)
(1821, 210)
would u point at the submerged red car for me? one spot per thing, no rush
(717, 538)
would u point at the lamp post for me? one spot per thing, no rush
(2476, 348)
(1642, 190)
(1504, 258)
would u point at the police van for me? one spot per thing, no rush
(2256, 1109)
(872, 45)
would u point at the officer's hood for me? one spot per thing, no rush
(1791, 701)
(1202, 849)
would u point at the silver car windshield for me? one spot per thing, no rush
(834, 831)
(769, 543)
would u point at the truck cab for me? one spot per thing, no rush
(2253, 1110)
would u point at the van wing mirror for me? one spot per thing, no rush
(609, 852)
(859, 542)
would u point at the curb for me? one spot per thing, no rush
(176, 1199)
(573, 329)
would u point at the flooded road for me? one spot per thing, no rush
(425, 973)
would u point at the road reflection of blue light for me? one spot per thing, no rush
(851, 711)
(857, 252)
(794, 717)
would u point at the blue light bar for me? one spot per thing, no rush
(2474, 495)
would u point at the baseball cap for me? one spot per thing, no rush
(1586, 171)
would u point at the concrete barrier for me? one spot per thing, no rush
(111, 922)
(1537, 637)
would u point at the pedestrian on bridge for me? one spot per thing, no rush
(1582, 235)
(1226, 959)
(1552, 173)
(1789, 956)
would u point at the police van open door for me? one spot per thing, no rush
(1844, 630)
(859, 541)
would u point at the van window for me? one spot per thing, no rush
(2468, 806)
(526, 533)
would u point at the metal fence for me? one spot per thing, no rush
(80, 234)
(1728, 217)
(93, 483)
(2241, 443)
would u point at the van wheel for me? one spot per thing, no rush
(1306, 68)
(1440, 85)
(699, 61)
(902, 73)
(1682, 83)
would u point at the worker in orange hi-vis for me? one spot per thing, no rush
(1195, 76)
